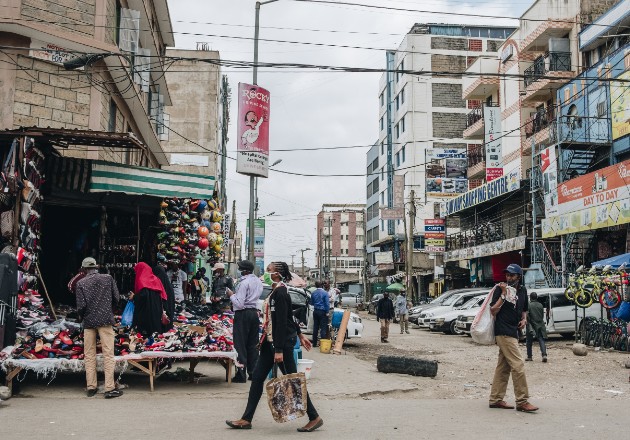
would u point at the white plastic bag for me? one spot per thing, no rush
(482, 328)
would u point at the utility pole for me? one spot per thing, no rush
(292, 265)
(302, 251)
(225, 125)
(412, 219)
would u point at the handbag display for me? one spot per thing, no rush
(286, 396)
(6, 223)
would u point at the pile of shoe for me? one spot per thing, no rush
(45, 339)
(190, 226)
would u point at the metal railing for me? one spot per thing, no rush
(539, 121)
(486, 231)
(552, 273)
(475, 156)
(472, 117)
(551, 62)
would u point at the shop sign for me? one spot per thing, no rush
(493, 142)
(434, 235)
(503, 185)
(259, 237)
(595, 200)
(253, 131)
(398, 211)
(549, 170)
(197, 160)
(443, 153)
(383, 257)
(620, 110)
(487, 249)
(445, 172)
(49, 52)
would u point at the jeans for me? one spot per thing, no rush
(245, 333)
(509, 362)
(530, 343)
(106, 334)
(261, 371)
(320, 325)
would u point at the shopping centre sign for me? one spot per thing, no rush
(498, 187)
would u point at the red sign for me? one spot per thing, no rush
(493, 173)
(434, 221)
(253, 130)
(434, 235)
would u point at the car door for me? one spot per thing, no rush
(562, 314)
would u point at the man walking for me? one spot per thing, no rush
(536, 328)
(402, 311)
(385, 314)
(321, 307)
(97, 295)
(246, 323)
(509, 308)
(220, 284)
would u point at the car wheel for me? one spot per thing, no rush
(453, 328)
(406, 365)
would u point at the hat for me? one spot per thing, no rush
(514, 268)
(89, 263)
(246, 265)
(218, 266)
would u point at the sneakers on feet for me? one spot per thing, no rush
(91, 392)
(528, 359)
(113, 393)
(545, 359)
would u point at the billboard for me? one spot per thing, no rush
(434, 235)
(595, 200)
(383, 257)
(620, 106)
(398, 211)
(259, 242)
(549, 170)
(445, 172)
(252, 152)
(493, 142)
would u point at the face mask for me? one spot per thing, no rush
(267, 278)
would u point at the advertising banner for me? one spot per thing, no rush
(434, 235)
(398, 211)
(493, 142)
(486, 249)
(620, 106)
(383, 257)
(259, 238)
(445, 172)
(595, 200)
(252, 153)
(549, 169)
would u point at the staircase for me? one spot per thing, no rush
(576, 163)
(553, 274)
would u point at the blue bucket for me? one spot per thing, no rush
(336, 319)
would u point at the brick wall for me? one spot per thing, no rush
(111, 22)
(475, 45)
(352, 234)
(70, 15)
(47, 96)
(448, 63)
(447, 95)
(448, 43)
(448, 125)
(493, 45)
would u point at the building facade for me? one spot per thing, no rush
(121, 88)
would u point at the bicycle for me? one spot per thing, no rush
(576, 291)
(610, 297)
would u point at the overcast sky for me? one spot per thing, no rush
(317, 109)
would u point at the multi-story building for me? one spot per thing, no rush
(517, 118)
(341, 242)
(422, 118)
(119, 88)
(372, 201)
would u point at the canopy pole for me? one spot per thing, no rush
(41, 278)
(138, 231)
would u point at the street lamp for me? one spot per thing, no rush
(253, 179)
(276, 162)
(268, 215)
(302, 251)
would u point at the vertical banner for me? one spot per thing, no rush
(259, 242)
(252, 152)
(493, 142)
(398, 210)
(434, 235)
(549, 169)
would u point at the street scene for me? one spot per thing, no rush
(354, 219)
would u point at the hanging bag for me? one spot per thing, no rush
(10, 170)
(482, 328)
(127, 316)
(286, 396)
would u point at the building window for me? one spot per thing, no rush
(382, 225)
(402, 96)
(401, 66)
(382, 99)
(382, 127)
(397, 130)
(402, 125)
(382, 147)
(398, 159)
(383, 198)
(111, 127)
(382, 173)
(397, 102)
(403, 154)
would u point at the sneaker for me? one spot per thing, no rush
(91, 392)
(402, 333)
(528, 359)
(113, 393)
(545, 359)
(407, 331)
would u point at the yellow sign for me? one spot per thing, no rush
(602, 216)
(620, 106)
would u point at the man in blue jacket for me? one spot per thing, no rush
(321, 307)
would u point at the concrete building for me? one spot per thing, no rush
(341, 242)
(372, 201)
(108, 93)
(193, 122)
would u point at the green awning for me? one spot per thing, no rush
(109, 177)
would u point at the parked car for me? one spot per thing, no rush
(446, 321)
(351, 299)
(355, 324)
(414, 312)
(456, 300)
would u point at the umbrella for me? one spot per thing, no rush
(614, 261)
(396, 287)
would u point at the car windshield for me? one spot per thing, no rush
(450, 300)
(470, 303)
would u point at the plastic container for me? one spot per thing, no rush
(325, 345)
(305, 366)
(337, 317)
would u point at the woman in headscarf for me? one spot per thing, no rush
(148, 296)
(169, 303)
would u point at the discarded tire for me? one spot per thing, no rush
(406, 365)
(580, 350)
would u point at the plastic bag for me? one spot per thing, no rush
(127, 316)
(482, 328)
(287, 396)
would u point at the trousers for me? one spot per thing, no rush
(245, 336)
(509, 362)
(404, 323)
(261, 371)
(530, 343)
(385, 328)
(106, 334)
(320, 325)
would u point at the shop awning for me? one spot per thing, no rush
(108, 177)
(614, 261)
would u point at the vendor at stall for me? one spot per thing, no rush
(179, 281)
(148, 297)
(220, 284)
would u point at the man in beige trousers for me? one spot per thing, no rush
(509, 308)
(97, 295)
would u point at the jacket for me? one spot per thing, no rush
(385, 309)
(283, 326)
(536, 320)
(97, 294)
(402, 305)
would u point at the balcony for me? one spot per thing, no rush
(545, 75)
(575, 129)
(474, 124)
(541, 127)
(486, 231)
(478, 85)
(476, 163)
(538, 39)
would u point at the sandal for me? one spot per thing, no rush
(235, 425)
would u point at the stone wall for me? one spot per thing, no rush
(448, 125)
(447, 95)
(70, 15)
(448, 63)
(493, 45)
(449, 43)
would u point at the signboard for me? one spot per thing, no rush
(49, 52)
(596, 200)
(445, 172)
(434, 235)
(549, 169)
(503, 185)
(392, 213)
(486, 249)
(493, 142)
(383, 257)
(197, 160)
(253, 130)
(620, 107)
(398, 211)
(259, 238)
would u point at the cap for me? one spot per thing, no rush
(246, 265)
(89, 263)
(514, 268)
(218, 266)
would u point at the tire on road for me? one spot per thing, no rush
(406, 365)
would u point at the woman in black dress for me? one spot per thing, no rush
(148, 296)
(280, 332)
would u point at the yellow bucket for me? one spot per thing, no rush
(325, 345)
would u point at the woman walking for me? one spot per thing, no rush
(280, 332)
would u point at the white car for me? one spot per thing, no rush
(451, 303)
(446, 321)
(355, 325)
(351, 300)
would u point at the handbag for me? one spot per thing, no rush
(6, 223)
(482, 328)
(286, 396)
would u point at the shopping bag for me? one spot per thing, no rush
(482, 327)
(286, 396)
(127, 316)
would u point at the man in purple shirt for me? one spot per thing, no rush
(246, 322)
